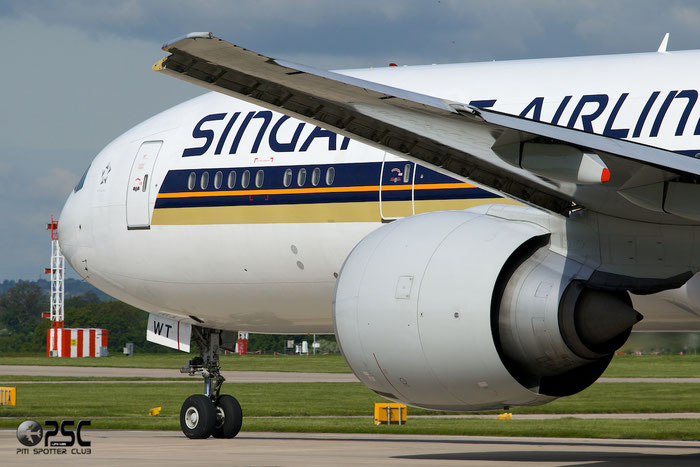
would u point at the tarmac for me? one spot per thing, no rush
(231, 376)
(148, 448)
(236, 376)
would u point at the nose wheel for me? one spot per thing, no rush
(209, 414)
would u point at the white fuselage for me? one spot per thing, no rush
(265, 259)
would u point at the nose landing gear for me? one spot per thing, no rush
(209, 414)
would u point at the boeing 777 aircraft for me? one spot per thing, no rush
(477, 236)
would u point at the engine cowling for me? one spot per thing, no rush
(458, 310)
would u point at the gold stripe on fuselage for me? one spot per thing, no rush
(309, 213)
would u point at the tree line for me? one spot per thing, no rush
(22, 328)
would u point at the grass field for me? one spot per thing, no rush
(325, 407)
(623, 366)
(654, 366)
(317, 399)
(347, 407)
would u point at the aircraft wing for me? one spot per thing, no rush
(555, 168)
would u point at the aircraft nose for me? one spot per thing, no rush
(73, 231)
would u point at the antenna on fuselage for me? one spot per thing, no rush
(664, 44)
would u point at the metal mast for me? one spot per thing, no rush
(57, 271)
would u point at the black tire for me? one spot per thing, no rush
(229, 417)
(197, 417)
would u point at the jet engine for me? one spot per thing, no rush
(459, 310)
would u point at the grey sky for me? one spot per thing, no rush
(76, 74)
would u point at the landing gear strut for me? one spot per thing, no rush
(209, 414)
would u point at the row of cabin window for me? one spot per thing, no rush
(259, 178)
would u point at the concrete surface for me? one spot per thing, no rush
(239, 376)
(149, 448)
(231, 376)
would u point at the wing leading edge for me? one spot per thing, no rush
(485, 147)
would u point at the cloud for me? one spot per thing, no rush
(686, 15)
(5, 175)
(57, 182)
(82, 92)
(76, 74)
(425, 31)
(5, 168)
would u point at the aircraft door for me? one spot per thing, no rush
(138, 193)
(396, 189)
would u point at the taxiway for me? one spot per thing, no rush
(149, 448)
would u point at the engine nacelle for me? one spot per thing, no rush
(458, 310)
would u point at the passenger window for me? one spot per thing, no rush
(204, 181)
(330, 175)
(245, 179)
(406, 173)
(218, 178)
(287, 179)
(315, 176)
(301, 177)
(259, 177)
(231, 179)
